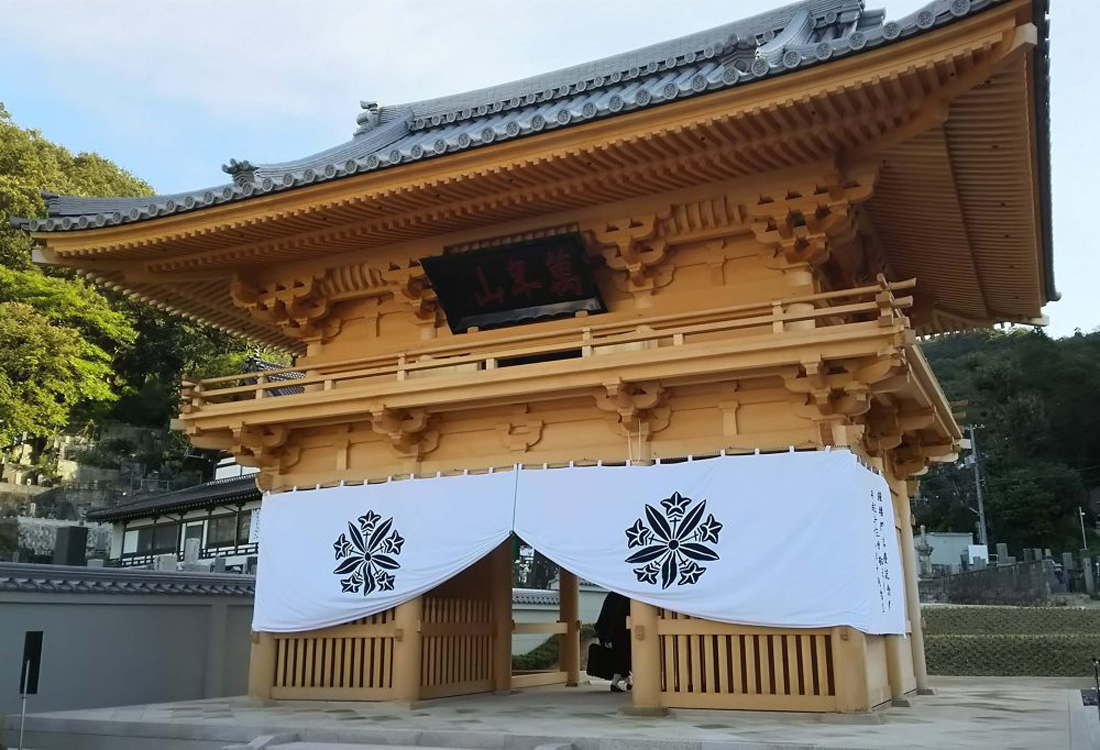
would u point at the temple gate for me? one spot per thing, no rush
(728, 242)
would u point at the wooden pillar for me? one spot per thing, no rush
(407, 651)
(800, 279)
(261, 666)
(850, 670)
(645, 658)
(501, 582)
(897, 651)
(569, 613)
(912, 591)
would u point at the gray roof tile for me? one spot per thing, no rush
(220, 491)
(71, 579)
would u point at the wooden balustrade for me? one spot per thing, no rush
(706, 664)
(473, 352)
(456, 647)
(539, 677)
(348, 662)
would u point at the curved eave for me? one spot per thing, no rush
(611, 87)
(1041, 105)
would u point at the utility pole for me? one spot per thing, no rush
(983, 535)
(1084, 540)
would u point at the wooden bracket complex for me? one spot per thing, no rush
(636, 410)
(410, 284)
(265, 448)
(408, 430)
(520, 432)
(633, 247)
(296, 305)
(838, 395)
(804, 222)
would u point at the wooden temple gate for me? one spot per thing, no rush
(744, 253)
(445, 643)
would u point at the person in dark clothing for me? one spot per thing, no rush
(612, 631)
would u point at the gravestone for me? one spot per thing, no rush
(191, 551)
(1047, 554)
(1036, 553)
(977, 563)
(1027, 554)
(924, 554)
(1090, 578)
(219, 564)
(1069, 573)
(1002, 553)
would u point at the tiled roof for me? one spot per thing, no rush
(543, 597)
(71, 579)
(229, 490)
(790, 38)
(255, 364)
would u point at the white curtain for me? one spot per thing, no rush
(785, 540)
(333, 555)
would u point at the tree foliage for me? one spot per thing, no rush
(29, 164)
(46, 370)
(1035, 403)
(100, 356)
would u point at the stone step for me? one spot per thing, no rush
(283, 742)
(345, 746)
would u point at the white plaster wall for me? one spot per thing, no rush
(590, 601)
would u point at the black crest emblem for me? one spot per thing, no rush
(368, 554)
(673, 543)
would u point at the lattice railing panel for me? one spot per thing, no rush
(456, 646)
(353, 661)
(707, 664)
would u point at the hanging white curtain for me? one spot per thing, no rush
(333, 555)
(783, 540)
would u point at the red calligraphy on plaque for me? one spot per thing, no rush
(487, 293)
(521, 285)
(563, 279)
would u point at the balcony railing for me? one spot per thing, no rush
(475, 352)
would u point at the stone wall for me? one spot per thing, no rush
(1027, 583)
(1033, 641)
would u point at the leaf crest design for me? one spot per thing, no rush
(673, 543)
(367, 561)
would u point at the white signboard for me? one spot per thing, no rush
(254, 527)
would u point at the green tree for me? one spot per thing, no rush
(46, 370)
(134, 354)
(1035, 402)
(29, 164)
(72, 331)
(166, 349)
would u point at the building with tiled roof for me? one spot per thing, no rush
(220, 514)
(729, 242)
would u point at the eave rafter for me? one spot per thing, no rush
(759, 128)
(848, 111)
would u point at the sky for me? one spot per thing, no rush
(171, 91)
